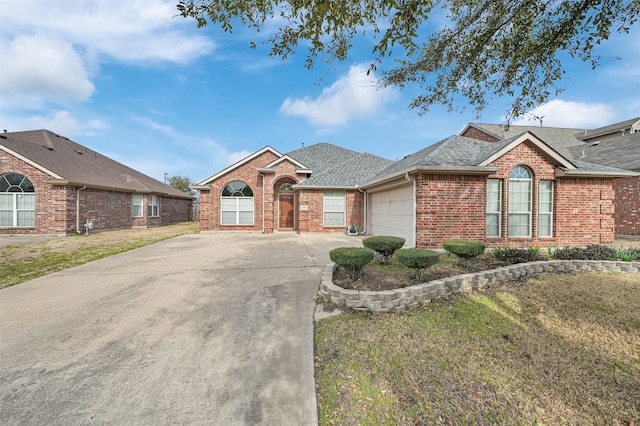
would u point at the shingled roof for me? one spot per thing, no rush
(472, 156)
(561, 139)
(69, 163)
(336, 167)
(622, 152)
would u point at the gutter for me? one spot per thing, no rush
(62, 182)
(439, 170)
(78, 208)
(594, 173)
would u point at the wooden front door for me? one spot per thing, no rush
(286, 212)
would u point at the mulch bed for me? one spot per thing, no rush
(378, 277)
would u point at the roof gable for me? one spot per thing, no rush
(70, 163)
(507, 145)
(237, 164)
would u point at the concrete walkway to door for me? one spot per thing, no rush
(213, 328)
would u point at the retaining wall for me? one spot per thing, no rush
(409, 297)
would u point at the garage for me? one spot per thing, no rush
(392, 212)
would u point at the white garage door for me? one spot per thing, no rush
(393, 213)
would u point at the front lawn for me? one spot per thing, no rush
(561, 349)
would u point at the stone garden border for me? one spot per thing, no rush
(412, 296)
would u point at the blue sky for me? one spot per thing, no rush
(130, 80)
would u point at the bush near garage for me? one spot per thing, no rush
(384, 245)
(352, 259)
(463, 248)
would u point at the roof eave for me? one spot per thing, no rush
(341, 187)
(438, 170)
(593, 173)
(63, 182)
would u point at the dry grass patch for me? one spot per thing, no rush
(26, 262)
(561, 349)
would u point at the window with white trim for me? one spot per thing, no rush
(494, 207)
(136, 205)
(152, 206)
(334, 208)
(17, 201)
(546, 208)
(236, 204)
(520, 202)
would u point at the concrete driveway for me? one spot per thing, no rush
(199, 329)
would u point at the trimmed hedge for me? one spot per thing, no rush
(516, 255)
(591, 252)
(464, 248)
(418, 259)
(386, 246)
(353, 259)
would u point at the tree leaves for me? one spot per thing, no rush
(481, 49)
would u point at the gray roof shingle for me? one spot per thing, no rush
(606, 130)
(333, 166)
(561, 139)
(80, 165)
(622, 152)
(459, 151)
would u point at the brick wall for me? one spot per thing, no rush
(248, 173)
(51, 201)
(478, 134)
(311, 220)
(452, 206)
(174, 210)
(627, 205)
(449, 207)
(56, 205)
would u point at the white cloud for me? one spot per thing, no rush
(127, 30)
(569, 114)
(40, 67)
(62, 122)
(353, 96)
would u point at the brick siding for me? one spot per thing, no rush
(453, 206)
(475, 133)
(266, 209)
(56, 205)
(627, 202)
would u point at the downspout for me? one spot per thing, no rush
(78, 208)
(365, 208)
(262, 201)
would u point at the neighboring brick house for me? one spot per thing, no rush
(313, 189)
(517, 191)
(52, 185)
(615, 145)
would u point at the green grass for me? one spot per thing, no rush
(561, 349)
(23, 263)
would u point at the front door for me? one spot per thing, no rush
(286, 212)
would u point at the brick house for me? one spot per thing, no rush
(52, 185)
(517, 191)
(313, 189)
(615, 145)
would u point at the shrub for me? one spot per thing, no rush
(631, 254)
(591, 252)
(386, 246)
(516, 255)
(463, 248)
(418, 259)
(353, 259)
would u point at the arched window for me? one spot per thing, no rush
(520, 202)
(236, 204)
(17, 201)
(286, 187)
